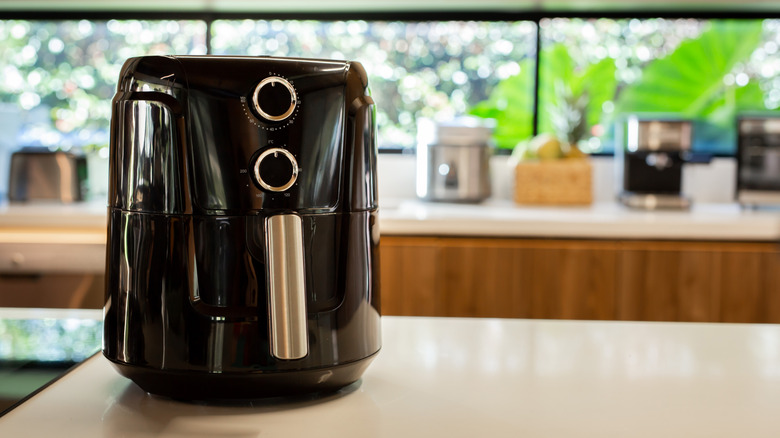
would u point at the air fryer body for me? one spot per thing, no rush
(243, 236)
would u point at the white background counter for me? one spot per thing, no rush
(606, 220)
(494, 217)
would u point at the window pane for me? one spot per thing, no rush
(708, 71)
(59, 77)
(435, 70)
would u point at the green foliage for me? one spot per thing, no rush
(65, 72)
(708, 77)
(435, 70)
(511, 105)
(690, 80)
(570, 99)
(49, 339)
(564, 88)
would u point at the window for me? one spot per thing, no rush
(436, 70)
(708, 71)
(59, 78)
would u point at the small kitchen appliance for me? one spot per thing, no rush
(243, 233)
(649, 165)
(453, 160)
(39, 174)
(758, 160)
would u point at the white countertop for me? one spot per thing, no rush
(597, 221)
(53, 215)
(495, 217)
(471, 378)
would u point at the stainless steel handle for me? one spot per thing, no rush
(286, 286)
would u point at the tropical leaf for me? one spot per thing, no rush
(511, 102)
(555, 74)
(690, 81)
(511, 105)
(599, 83)
(735, 99)
(594, 84)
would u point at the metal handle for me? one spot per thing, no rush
(286, 286)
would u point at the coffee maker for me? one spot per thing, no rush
(649, 164)
(758, 160)
(242, 234)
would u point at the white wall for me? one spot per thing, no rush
(704, 183)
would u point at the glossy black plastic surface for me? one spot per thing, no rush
(192, 151)
(227, 387)
(187, 293)
(640, 177)
(186, 287)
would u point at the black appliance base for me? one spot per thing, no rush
(196, 386)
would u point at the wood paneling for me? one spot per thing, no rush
(479, 279)
(498, 278)
(666, 282)
(408, 273)
(581, 279)
(68, 291)
(748, 281)
(569, 280)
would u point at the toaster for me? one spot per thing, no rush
(38, 174)
(242, 255)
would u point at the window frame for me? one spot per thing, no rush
(534, 15)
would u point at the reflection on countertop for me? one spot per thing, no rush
(39, 345)
(471, 377)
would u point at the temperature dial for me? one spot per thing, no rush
(274, 99)
(276, 170)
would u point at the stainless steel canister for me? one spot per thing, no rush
(453, 160)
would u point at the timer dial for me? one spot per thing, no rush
(276, 169)
(274, 99)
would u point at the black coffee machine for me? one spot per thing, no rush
(650, 161)
(243, 234)
(758, 160)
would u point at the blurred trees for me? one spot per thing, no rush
(62, 74)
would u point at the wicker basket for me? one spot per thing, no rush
(555, 182)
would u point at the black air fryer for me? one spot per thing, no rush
(242, 238)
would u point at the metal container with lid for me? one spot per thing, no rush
(453, 160)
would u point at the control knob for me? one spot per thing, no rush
(274, 99)
(276, 169)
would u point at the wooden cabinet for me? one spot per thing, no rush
(498, 278)
(408, 275)
(661, 281)
(689, 281)
(572, 280)
(748, 284)
(580, 279)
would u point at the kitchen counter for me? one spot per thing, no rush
(467, 378)
(86, 215)
(71, 239)
(495, 217)
(608, 220)
(52, 237)
(49, 237)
